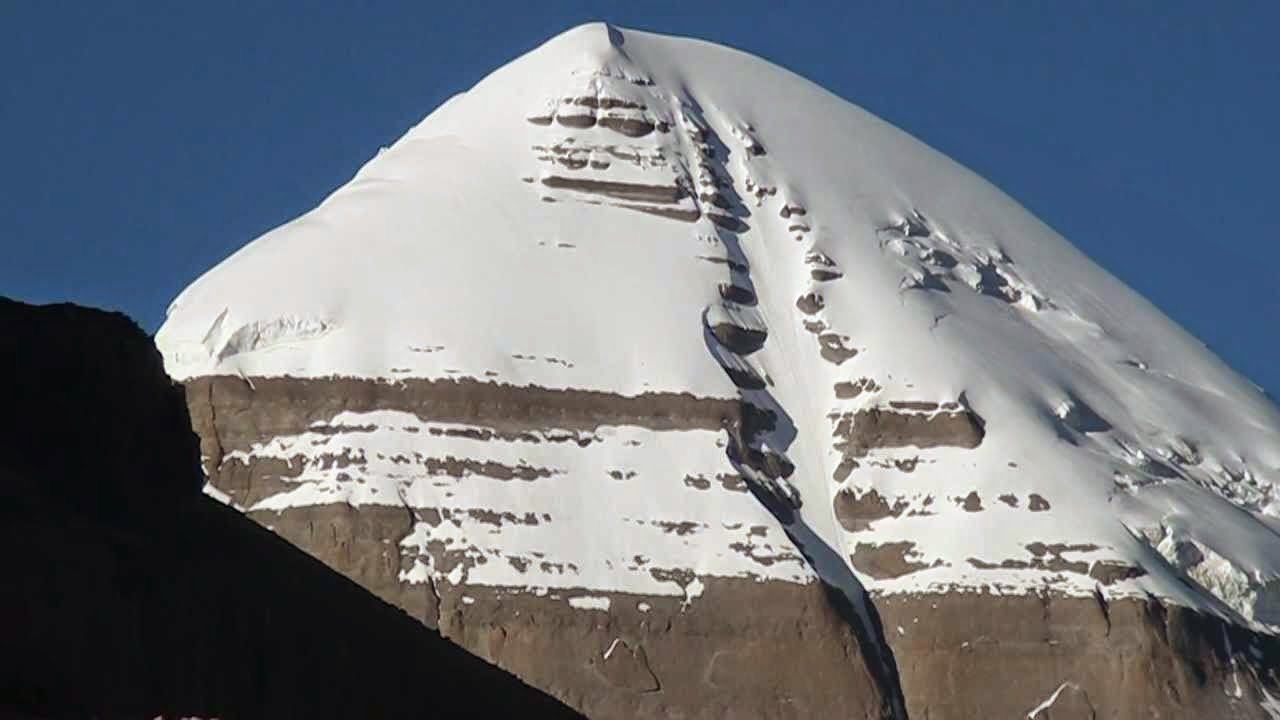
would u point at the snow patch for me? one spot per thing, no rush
(1048, 702)
(612, 646)
(590, 603)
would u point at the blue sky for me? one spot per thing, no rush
(143, 143)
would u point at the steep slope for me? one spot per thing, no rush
(129, 594)
(650, 339)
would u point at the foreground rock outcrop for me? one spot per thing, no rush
(130, 594)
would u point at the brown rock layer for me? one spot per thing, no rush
(970, 655)
(903, 424)
(742, 648)
(746, 648)
(230, 413)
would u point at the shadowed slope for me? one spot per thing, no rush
(130, 594)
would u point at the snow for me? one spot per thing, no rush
(660, 521)
(220, 496)
(461, 252)
(612, 646)
(590, 603)
(1048, 702)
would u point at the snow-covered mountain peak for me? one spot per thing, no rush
(739, 275)
(599, 45)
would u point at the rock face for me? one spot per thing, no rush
(971, 655)
(697, 646)
(682, 388)
(740, 647)
(130, 594)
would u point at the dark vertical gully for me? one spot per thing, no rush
(759, 436)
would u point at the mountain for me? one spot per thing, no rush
(130, 594)
(678, 385)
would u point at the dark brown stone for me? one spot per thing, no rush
(886, 560)
(697, 482)
(809, 303)
(230, 413)
(970, 655)
(618, 190)
(857, 512)
(1109, 573)
(576, 121)
(834, 350)
(732, 483)
(844, 469)
(631, 127)
(850, 390)
(888, 428)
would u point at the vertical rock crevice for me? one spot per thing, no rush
(758, 440)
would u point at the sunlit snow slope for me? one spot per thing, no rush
(942, 393)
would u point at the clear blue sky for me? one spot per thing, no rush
(145, 142)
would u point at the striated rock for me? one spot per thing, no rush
(719, 654)
(716, 655)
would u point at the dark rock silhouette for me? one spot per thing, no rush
(130, 594)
